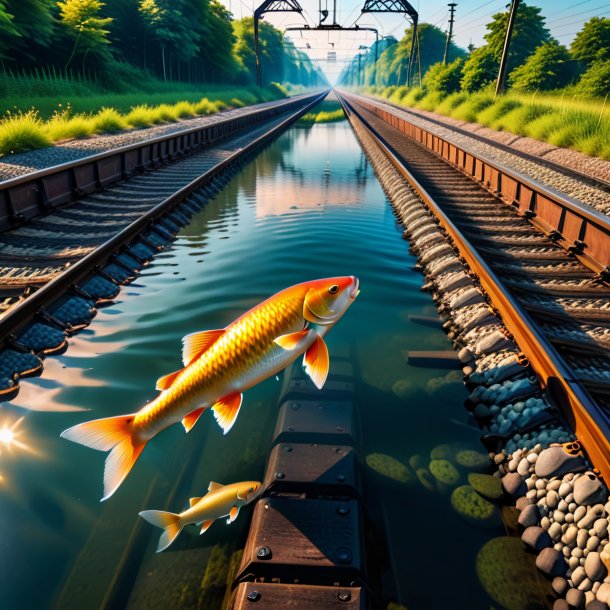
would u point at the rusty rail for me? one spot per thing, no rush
(581, 411)
(580, 229)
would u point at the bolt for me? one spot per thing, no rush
(291, 428)
(295, 405)
(263, 552)
(344, 555)
(343, 510)
(287, 448)
(344, 596)
(254, 596)
(341, 478)
(279, 475)
(339, 428)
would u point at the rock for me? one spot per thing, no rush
(545, 522)
(559, 516)
(592, 543)
(560, 585)
(555, 531)
(579, 513)
(551, 562)
(569, 536)
(560, 604)
(564, 489)
(588, 490)
(522, 502)
(562, 506)
(593, 513)
(585, 585)
(536, 538)
(529, 516)
(596, 605)
(605, 556)
(601, 527)
(603, 593)
(552, 499)
(594, 567)
(524, 467)
(513, 484)
(582, 538)
(576, 599)
(554, 461)
(578, 575)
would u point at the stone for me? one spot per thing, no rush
(529, 516)
(524, 467)
(605, 556)
(579, 513)
(482, 411)
(522, 502)
(551, 562)
(554, 461)
(555, 531)
(592, 543)
(536, 538)
(545, 522)
(594, 567)
(585, 585)
(552, 499)
(569, 536)
(578, 575)
(582, 538)
(576, 599)
(596, 605)
(560, 604)
(593, 513)
(564, 489)
(513, 484)
(603, 593)
(601, 527)
(559, 516)
(562, 506)
(588, 490)
(560, 585)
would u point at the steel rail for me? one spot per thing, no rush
(39, 192)
(22, 313)
(581, 411)
(580, 229)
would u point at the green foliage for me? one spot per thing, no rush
(595, 82)
(592, 43)
(26, 26)
(444, 78)
(480, 70)
(469, 109)
(548, 67)
(22, 132)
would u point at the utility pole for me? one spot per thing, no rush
(359, 61)
(501, 82)
(451, 6)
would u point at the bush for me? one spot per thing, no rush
(444, 78)
(470, 108)
(278, 89)
(497, 110)
(480, 69)
(62, 126)
(595, 82)
(430, 101)
(23, 131)
(183, 110)
(398, 94)
(108, 120)
(516, 120)
(549, 67)
(413, 96)
(450, 102)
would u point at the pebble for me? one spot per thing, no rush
(560, 585)
(588, 490)
(594, 567)
(573, 563)
(538, 483)
(555, 531)
(577, 552)
(551, 562)
(552, 499)
(564, 489)
(591, 517)
(596, 605)
(545, 523)
(585, 585)
(513, 484)
(560, 604)
(529, 516)
(605, 556)
(601, 527)
(569, 518)
(579, 513)
(537, 538)
(569, 536)
(563, 506)
(576, 599)
(578, 575)
(522, 502)
(554, 485)
(524, 467)
(559, 516)
(554, 461)
(592, 543)
(603, 593)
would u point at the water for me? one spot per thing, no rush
(308, 206)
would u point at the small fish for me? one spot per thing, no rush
(220, 501)
(219, 365)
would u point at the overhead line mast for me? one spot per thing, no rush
(451, 6)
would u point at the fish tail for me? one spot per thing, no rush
(169, 522)
(114, 434)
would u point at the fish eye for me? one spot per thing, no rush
(333, 289)
(251, 489)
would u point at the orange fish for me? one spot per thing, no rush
(219, 365)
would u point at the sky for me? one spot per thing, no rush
(563, 17)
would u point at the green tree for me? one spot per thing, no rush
(592, 43)
(82, 22)
(444, 78)
(595, 82)
(8, 31)
(26, 26)
(480, 69)
(548, 67)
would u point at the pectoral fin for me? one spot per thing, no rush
(292, 340)
(316, 362)
(227, 409)
(233, 514)
(205, 525)
(195, 344)
(193, 501)
(163, 383)
(191, 419)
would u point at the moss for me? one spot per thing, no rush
(442, 452)
(506, 572)
(486, 485)
(474, 460)
(214, 582)
(388, 467)
(445, 472)
(474, 508)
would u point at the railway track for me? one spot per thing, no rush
(74, 233)
(518, 240)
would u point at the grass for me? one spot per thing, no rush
(560, 119)
(329, 111)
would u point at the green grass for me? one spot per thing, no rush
(328, 111)
(560, 119)
(22, 132)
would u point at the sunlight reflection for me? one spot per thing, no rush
(11, 438)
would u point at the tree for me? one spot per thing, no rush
(595, 82)
(592, 43)
(549, 67)
(82, 21)
(444, 78)
(29, 25)
(480, 69)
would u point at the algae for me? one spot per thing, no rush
(474, 508)
(486, 485)
(388, 467)
(445, 472)
(475, 460)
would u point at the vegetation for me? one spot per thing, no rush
(556, 94)
(329, 111)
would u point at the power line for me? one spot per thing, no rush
(592, 10)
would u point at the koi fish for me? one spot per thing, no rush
(219, 365)
(220, 501)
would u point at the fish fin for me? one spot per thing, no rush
(205, 525)
(170, 522)
(292, 340)
(164, 383)
(316, 362)
(195, 344)
(191, 419)
(233, 514)
(112, 434)
(193, 501)
(214, 486)
(227, 409)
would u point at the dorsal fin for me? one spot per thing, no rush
(193, 501)
(163, 383)
(195, 344)
(214, 486)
